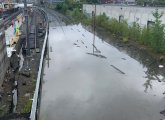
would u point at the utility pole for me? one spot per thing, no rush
(27, 29)
(27, 36)
(94, 25)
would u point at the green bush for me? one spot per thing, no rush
(102, 20)
(113, 26)
(135, 32)
(58, 6)
(27, 107)
(64, 8)
(150, 36)
(124, 30)
(157, 32)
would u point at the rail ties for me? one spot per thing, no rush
(35, 104)
(9, 19)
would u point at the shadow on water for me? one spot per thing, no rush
(97, 55)
(96, 52)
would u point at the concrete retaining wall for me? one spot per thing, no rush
(3, 56)
(131, 13)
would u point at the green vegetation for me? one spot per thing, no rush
(74, 9)
(3, 110)
(157, 33)
(68, 5)
(151, 2)
(27, 107)
(152, 36)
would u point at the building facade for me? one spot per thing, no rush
(3, 54)
(116, 1)
(56, 1)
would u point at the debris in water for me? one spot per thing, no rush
(157, 77)
(86, 46)
(162, 112)
(98, 51)
(82, 42)
(77, 46)
(83, 35)
(100, 56)
(117, 69)
(74, 44)
(123, 58)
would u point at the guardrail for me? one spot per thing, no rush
(33, 114)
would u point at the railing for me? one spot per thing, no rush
(33, 115)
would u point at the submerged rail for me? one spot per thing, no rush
(34, 111)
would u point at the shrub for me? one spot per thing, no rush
(135, 32)
(157, 33)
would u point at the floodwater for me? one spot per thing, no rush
(106, 84)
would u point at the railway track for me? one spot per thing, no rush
(8, 20)
(9, 115)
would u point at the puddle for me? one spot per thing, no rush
(79, 85)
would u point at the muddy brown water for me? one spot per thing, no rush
(109, 84)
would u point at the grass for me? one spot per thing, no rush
(27, 107)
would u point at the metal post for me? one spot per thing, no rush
(94, 26)
(27, 28)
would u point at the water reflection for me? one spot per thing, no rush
(81, 86)
(153, 72)
(96, 52)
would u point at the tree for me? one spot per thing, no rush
(151, 2)
(159, 2)
(157, 32)
(92, 1)
(140, 2)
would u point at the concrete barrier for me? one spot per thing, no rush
(137, 14)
